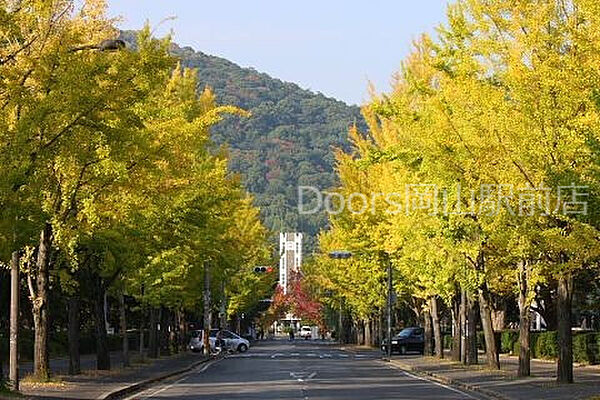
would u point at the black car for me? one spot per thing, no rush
(409, 339)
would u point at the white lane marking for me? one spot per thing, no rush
(312, 375)
(149, 396)
(311, 355)
(433, 382)
(343, 355)
(167, 387)
(295, 354)
(276, 355)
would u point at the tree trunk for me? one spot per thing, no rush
(125, 337)
(141, 343)
(173, 328)
(206, 302)
(152, 335)
(524, 321)
(485, 312)
(340, 325)
(360, 332)
(102, 351)
(380, 328)
(41, 366)
(163, 338)
(162, 332)
(13, 374)
(565, 338)
(437, 329)
(73, 332)
(182, 332)
(456, 329)
(427, 348)
(368, 333)
(463, 326)
(471, 331)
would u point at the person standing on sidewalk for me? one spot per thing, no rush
(220, 341)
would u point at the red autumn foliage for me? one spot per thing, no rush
(297, 301)
(302, 304)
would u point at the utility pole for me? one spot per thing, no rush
(341, 323)
(205, 337)
(143, 312)
(389, 307)
(14, 322)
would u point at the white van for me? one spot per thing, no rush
(306, 332)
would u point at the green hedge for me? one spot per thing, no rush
(544, 345)
(447, 341)
(586, 348)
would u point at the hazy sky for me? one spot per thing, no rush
(332, 46)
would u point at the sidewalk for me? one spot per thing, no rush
(505, 384)
(92, 384)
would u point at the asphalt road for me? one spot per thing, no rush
(300, 370)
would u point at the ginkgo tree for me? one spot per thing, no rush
(108, 155)
(499, 113)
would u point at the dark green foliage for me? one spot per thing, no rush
(287, 141)
(533, 338)
(508, 339)
(58, 344)
(545, 345)
(447, 341)
(586, 348)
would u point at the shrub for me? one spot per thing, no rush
(507, 340)
(585, 348)
(447, 341)
(545, 346)
(533, 339)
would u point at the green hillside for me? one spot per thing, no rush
(287, 142)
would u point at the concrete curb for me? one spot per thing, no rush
(449, 381)
(136, 387)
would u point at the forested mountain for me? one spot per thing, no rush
(288, 140)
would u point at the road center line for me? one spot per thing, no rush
(186, 376)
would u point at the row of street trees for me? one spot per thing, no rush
(478, 176)
(109, 182)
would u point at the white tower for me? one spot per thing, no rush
(290, 257)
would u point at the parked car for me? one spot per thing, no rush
(409, 339)
(232, 341)
(306, 332)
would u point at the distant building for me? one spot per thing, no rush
(290, 257)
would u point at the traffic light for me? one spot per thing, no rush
(263, 269)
